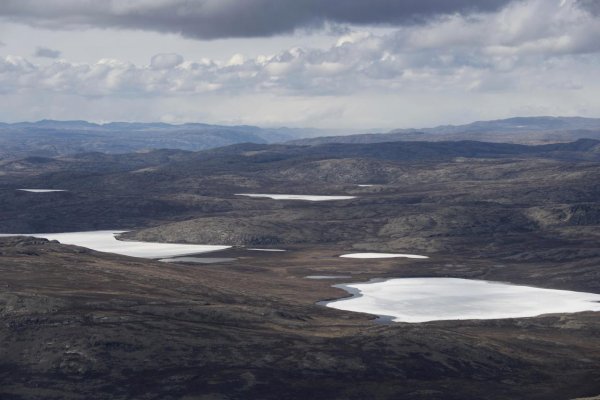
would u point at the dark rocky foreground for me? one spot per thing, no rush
(77, 324)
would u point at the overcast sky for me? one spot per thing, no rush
(363, 64)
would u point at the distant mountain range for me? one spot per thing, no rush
(523, 130)
(48, 138)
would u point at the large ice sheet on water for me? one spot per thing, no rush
(432, 299)
(106, 241)
(382, 255)
(297, 197)
(42, 190)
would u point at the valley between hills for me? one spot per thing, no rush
(84, 324)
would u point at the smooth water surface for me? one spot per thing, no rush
(381, 255)
(328, 277)
(273, 250)
(297, 197)
(435, 299)
(197, 260)
(106, 241)
(41, 190)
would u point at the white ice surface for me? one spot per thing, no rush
(433, 299)
(381, 255)
(105, 241)
(197, 260)
(275, 250)
(42, 190)
(297, 197)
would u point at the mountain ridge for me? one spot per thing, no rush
(521, 130)
(51, 138)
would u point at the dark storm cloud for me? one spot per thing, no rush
(45, 52)
(211, 19)
(592, 6)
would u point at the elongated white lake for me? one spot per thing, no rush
(296, 197)
(42, 190)
(382, 255)
(106, 241)
(271, 250)
(438, 299)
(197, 260)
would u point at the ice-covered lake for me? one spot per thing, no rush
(106, 241)
(271, 250)
(438, 299)
(198, 260)
(319, 277)
(296, 197)
(41, 190)
(382, 255)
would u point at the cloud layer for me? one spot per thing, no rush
(210, 19)
(45, 52)
(529, 57)
(492, 52)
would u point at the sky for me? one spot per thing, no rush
(345, 64)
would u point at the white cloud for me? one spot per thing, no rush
(488, 52)
(166, 61)
(236, 59)
(530, 48)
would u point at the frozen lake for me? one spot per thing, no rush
(381, 255)
(41, 190)
(438, 299)
(273, 250)
(106, 241)
(328, 277)
(197, 260)
(297, 197)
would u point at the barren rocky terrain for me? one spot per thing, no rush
(78, 324)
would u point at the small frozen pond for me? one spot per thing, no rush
(106, 241)
(328, 277)
(381, 255)
(297, 197)
(438, 299)
(197, 260)
(273, 250)
(41, 190)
